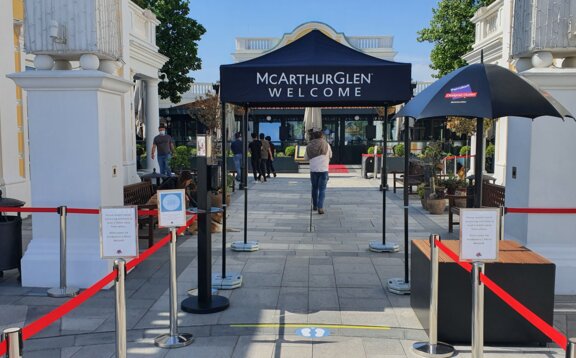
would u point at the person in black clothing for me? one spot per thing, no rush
(255, 150)
(270, 162)
(237, 148)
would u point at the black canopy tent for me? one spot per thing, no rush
(312, 71)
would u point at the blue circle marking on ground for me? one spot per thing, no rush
(313, 332)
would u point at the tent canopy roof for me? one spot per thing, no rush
(315, 71)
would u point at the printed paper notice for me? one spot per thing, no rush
(201, 146)
(171, 208)
(118, 232)
(479, 234)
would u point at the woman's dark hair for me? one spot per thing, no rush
(185, 175)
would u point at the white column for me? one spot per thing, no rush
(541, 153)
(152, 120)
(75, 133)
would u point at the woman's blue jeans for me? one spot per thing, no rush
(319, 181)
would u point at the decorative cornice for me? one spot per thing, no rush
(78, 80)
(146, 53)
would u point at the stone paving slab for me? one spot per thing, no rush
(324, 278)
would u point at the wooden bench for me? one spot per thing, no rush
(415, 177)
(492, 197)
(139, 194)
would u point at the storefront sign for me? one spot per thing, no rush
(171, 208)
(118, 232)
(479, 234)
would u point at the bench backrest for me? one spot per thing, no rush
(492, 195)
(138, 193)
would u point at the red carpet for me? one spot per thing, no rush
(337, 168)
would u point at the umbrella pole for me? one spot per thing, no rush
(478, 162)
(398, 285)
(406, 202)
(224, 187)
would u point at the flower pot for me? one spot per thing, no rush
(436, 206)
(460, 203)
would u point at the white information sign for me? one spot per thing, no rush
(201, 146)
(171, 208)
(118, 232)
(479, 234)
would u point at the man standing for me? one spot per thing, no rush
(255, 154)
(165, 148)
(237, 150)
(318, 152)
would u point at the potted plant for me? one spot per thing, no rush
(181, 159)
(436, 202)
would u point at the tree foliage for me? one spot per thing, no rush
(176, 37)
(207, 110)
(451, 32)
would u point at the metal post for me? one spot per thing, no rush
(375, 162)
(477, 311)
(375, 245)
(311, 207)
(62, 291)
(205, 301)
(120, 267)
(397, 285)
(224, 186)
(571, 349)
(245, 245)
(173, 339)
(225, 281)
(478, 170)
(433, 348)
(14, 343)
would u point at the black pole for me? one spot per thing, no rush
(406, 202)
(205, 302)
(384, 173)
(245, 171)
(224, 185)
(204, 234)
(478, 162)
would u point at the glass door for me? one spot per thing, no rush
(334, 138)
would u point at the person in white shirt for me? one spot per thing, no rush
(318, 153)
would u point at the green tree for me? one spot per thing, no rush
(176, 37)
(451, 32)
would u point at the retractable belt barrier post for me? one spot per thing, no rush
(433, 348)
(173, 339)
(62, 291)
(571, 349)
(13, 339)
(120, 267)
(477, 310)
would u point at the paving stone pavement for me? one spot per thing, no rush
(324, 279)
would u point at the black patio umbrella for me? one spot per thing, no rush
(476, 91)
(482, 91)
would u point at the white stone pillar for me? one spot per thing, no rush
(75, 133)
(541, 152)
(152, 120)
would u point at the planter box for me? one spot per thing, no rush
(285, 165)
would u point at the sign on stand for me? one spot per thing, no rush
(118, 232)
(172, 208)
(479, 234)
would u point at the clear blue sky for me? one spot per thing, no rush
(225, 20)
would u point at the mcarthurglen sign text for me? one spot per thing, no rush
(317, 85)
